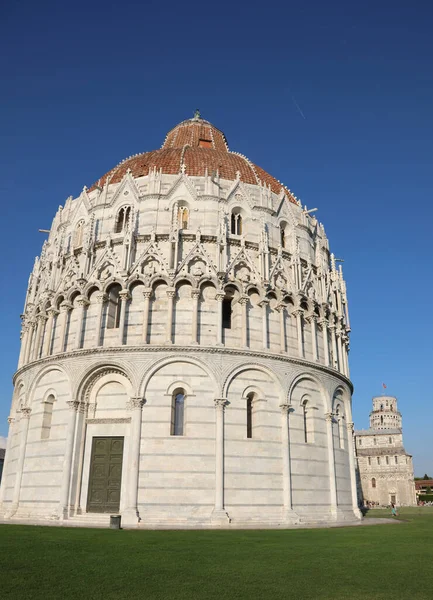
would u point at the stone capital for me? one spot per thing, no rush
(195, 293)
(171, 292)
(65, 307)
(219, 296)
(329, 416)
(298, 312)
(285, 408)
(147, 293)
(11, 420)
(220, 403)
(124, 295)
(26, 412)
(41, 317)
(136, 403)
(243, 299)
(350, 426)
(52, 312)
(101, 298)
(73, 404)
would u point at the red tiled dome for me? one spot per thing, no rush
(202, 148)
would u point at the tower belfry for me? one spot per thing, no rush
(385, 414)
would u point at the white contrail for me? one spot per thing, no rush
(298, 107)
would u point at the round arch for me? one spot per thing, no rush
(309, 377)
(252, 367)
(96, 372)
(174, 359)
(42, 374)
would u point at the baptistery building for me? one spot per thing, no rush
(184, 352)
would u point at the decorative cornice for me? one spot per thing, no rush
(145, 348)
(108, 421)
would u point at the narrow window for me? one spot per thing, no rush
(373, 483)
(250, 398)
(340, 428)
(390, 440)
(375, 441)
(387, 460)
(236, 224)
(282, 236)
(177, 412)
(381, 420)
(114, 307)
(47, 417)
(360, 443)
(304, 421)
(396, 460)
(122, 219)
(182, 217)
(378, 460)
(78, 234)
(227, 313)
(369, 460)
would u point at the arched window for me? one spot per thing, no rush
(340, 427)
(122, 219)
(283, 235)
(381, 407)
(47, 417)
(236, 223)
(114, 307)
(227, 312)
(373, 483)
(359, 442)
(183, 217)
(307, 421)
(378, 460)
(396, 460)
(250, 400)
(387, 460)
(177, 412)
(381, 420)
(78, 234)
(369, 460)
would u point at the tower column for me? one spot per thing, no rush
(40, 319)
(11, 422)
(102, 300)
(351, 451)
(243, 301)
(334, 347)
(289, 514)
(264, 304)
(24, 426)
(65, 307)
(219, 514)
(298, 315)
(171, 292)
(32, 328)
(324, 324)
(63, 510)
(195, 296)
(331, 461)
(219, 298)
(130, 514)
(147, 293)
(52, 312)
(124, 296)
(312, 319)
(281, 309)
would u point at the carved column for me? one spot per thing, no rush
(351, 451)
(171, 293)
(219, 298)
(195, 295)
(298, 314)
(346, 354)
(281, 309)
(130, 514)
(81, 303)
(124, 296)
(102, 300)
(324, 324)
(24, 340)
(40, 319)
(24, 423)
(243, 301)
(264, 304)
(219, 514)
(331, 461)
(52, 312)
(63, 510)
(65, 307)
(32, 326)
(340, 351)
(11, 422)
(287, 475)
(312, 319)
(147, 294)
(334, 346)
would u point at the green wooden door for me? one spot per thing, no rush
(105, 475)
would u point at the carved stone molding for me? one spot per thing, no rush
(135, 403)
(108, 421)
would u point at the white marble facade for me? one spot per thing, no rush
(219, 290)
(385, 469)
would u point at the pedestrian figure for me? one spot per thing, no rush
(394, 512)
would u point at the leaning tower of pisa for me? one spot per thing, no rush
(184, 352)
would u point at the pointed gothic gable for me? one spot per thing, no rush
(193, 260)
(126, 193)
(281, 276)
(148, 260)
(182, 186)
(239, 194)
(108, 265)
(239, 266)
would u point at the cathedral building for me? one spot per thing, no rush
(385, 470)
(184, 352)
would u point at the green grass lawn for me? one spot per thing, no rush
(373, 562)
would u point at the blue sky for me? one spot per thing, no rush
(334, 99)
